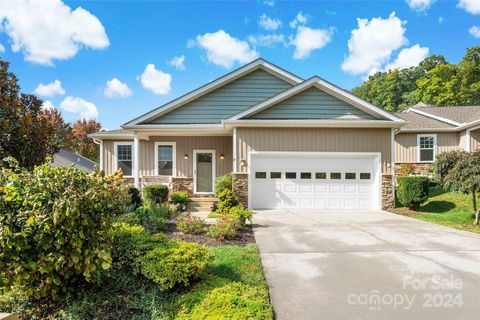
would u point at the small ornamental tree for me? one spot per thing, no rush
(460, 171)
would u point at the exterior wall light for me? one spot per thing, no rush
(185, 156)
(243, 163)
(222, 157)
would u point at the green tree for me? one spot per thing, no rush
(469, 74)
(440, 87)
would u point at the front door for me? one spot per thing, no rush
(204, 171)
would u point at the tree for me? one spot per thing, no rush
(86, 146)
(440, 87)
(25, 133)
(460, 171)
(63, 134)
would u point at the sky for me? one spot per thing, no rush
(115, 60)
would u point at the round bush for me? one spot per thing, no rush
(224, 182)
(226, 201)
(191, 224)
(412, 191)
(234, 301)
(155, 194)
(226, 228)
(135, 199)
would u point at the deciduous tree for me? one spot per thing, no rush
(86, 146)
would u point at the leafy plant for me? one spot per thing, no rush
(226, 228)
(226, 201)
(412, 191)
(154, 218)
(223, 183)
(241, 214)
(190, 224)
(179, 197)
(130, 218)
(136, 199)
(176, 264)
(155, 194)
(55, 227)
(406, 169)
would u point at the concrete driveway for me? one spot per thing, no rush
(370, 265)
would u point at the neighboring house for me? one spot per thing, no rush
(290, 142)
(65, 158)
(432, 130)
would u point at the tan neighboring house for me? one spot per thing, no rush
(290, 143)
(432, 130)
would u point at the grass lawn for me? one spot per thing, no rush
(451, 209)
(126, 296)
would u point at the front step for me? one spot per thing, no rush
(201, 204)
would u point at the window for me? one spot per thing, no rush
(350, 176)
(260, 175)
(320, 175)
(290, 175)
(364, 176)
(165, 158)
(335, 175)
(305, 175)
(426, 147)
(275, 175)
(124, 156)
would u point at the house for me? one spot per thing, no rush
(289, 142)
(432, 130)
(64, 158)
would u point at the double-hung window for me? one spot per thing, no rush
(124, 157)
(165, 158)
(427, 147)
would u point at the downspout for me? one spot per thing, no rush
(100, 143)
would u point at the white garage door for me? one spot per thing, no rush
(314, 180)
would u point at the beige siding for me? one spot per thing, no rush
(406, 145)
(313, 140)
(184, 145)
(475, 138)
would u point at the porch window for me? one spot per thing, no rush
(426, 147)
(165, 158)
(124, 156)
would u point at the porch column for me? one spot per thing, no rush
(136, 160)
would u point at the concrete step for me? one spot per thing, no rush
(201, 204)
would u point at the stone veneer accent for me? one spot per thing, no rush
(420, 169)
(182, 184)
(240, 187)
(388, 201)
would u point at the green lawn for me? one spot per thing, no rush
(126, 296)
(451, 209)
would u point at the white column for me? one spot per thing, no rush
(136, 160)
(392, 161)
(468, 141)
(101, 155)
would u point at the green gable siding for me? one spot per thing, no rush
(312, 103)
(227, 100)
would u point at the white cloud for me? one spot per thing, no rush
(300, 19)
(47, 105)
(372, 43)
(51, 89)
(267, 23)
(115, 88)
(270, 3)
(224, 50)
(475, 31)
(155, 80)
(2, 48)
(307, 40)
(266, 40)
(178, 62)
(84, 109)
(471, 6)
(45, 30)
(420, 5)
(408, 57)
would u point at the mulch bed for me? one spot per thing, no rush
(243, 238)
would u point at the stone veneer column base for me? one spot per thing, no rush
(388, 201)
(240, 187)
(182, 184)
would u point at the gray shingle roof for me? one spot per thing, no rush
(66, 158)
(418, 121)
(460, 114)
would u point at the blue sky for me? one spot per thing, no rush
(85, 44)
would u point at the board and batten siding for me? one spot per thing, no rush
(228, 100)
(313, 103)
(475, 139)
(184, 145)
(313, 140)
(406, 149)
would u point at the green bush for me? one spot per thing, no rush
(155, 194)
(155, 218)
(223, 183)
(226, 201)
(179, 197)
(241, 214)
(55, 225)
(412, 191)
(176, 264)
(226, 228)
(234, 301)
(190, 224)
(130, 218)
(135, 198)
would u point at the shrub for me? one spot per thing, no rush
(135, 199)
(55, 227)
(241, 214)
(226, 201)
(223, 183)
(226, 228)
(412, 191)
(176, 264)
(153, 218)
(130, 218)
(179, 197)
(406, 169)
(236, 300)
(191, 224)
(155, 194)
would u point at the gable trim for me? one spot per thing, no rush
(429, 115)
(215, 84)
(324, 86)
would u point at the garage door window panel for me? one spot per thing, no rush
(275, 175)
(260, 175)
(350, 176)
(305, 175)
(291, 175)
(364, 176)
(335, 175)
(320, 175)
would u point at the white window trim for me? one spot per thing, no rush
(115, 156)
(434, 136)
(174, 156)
